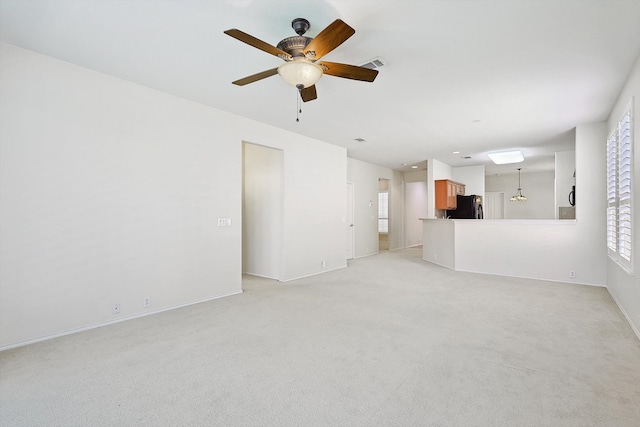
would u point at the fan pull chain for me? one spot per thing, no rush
(298, 107)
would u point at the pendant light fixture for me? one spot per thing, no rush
(519, 197)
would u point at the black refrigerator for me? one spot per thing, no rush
(468, 207)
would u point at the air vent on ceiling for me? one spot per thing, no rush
(374, 63)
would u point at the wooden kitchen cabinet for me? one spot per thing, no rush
(446, 192)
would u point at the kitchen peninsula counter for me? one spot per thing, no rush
(536, 248)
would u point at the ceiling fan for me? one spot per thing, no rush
(301, 69)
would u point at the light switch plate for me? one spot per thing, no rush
(224, 222)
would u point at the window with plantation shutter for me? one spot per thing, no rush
(619, 192)
(624, 187)
(612, 210)
(383, 212)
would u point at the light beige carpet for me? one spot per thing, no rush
(389, 341)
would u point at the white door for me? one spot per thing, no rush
(349, 220)
(494, 205)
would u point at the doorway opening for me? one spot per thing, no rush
(494, 205)
(262, 211)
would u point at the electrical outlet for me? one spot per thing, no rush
(146, 302)
(572, 274)
(115, 309)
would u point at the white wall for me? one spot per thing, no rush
(538, 187)
(435, 170)
(565, 166)
(472, 177)
(110, 192)
(416, 176)
(439, 242)
(262, 211)
(415, 197)
(416, 208)
(543, 249)
(315, 194)
(625, 287)
(397, 204)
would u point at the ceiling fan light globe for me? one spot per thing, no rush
(300, 72)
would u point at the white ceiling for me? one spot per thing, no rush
(468, 76)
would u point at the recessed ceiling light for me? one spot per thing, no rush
(456, 152)
(506, 157)
(466, 157)
(414, 167)
(360, 139)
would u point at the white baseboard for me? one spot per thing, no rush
(534, 278)
(111, 322)
(260, 275)
(367, 255)
(626, 316)
(314, 274)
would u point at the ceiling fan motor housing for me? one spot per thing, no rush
(295, 45)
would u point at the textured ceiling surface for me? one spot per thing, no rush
(460, 76)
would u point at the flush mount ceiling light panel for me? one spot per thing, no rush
(301, 69)
(506, 157)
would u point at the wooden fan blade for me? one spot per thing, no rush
(349, 71)
(256, 77)
(309, 93)
(329, 38)
(257, 43)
